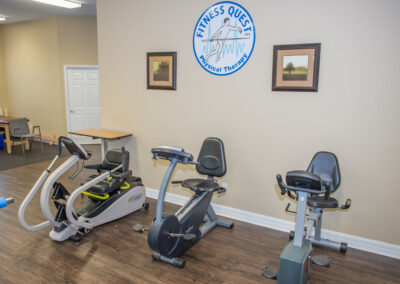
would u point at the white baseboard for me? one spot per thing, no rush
(356, 242)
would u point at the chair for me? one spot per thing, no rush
(20, 130)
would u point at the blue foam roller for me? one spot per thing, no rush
(3, 202)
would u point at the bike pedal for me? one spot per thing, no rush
(269, 273)
(138, 228)
(189, 237)
(321, 260)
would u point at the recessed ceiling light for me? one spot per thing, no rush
(2, 18)
(61, 3)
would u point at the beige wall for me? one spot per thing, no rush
(3, 98)
(354, 114)
(77, 45)
(35, 53)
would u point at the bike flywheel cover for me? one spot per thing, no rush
(159, 239)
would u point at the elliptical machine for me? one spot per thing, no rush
(171, 235)
(112, 194)
(310, 188)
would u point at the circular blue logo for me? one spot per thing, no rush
(224, 37)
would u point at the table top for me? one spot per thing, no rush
(6, 119)
(101, 133)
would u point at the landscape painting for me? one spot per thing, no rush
(161, 70)
(295, 67)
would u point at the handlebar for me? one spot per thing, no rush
(281, 184)
(346, 205)
(73, 148)
(288, 189)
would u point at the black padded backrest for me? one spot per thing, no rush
(326, 165)
(212, 158)
(114, 158)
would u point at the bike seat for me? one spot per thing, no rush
(320, 202)
(199, 185)
(104, 186)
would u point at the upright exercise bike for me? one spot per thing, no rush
(310, 188)
(112, 194)
(171, 235)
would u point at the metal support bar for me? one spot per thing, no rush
(105, 146)
(326, 243)
(212, 220)
(163, 190)
(300, 216)
(317, 235)
(311, 221)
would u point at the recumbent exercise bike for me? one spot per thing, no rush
(171, 235)
(310, 188)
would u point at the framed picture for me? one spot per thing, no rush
(296, 67)
(161, 70)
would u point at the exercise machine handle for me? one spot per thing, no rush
(176, 182)
(73, 148)
(282, 186)
(287, 188)
(221, 190)
(346, 205)
(288, 210)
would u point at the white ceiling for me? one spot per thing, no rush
(24, 10)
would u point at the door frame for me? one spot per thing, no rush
(66, 86)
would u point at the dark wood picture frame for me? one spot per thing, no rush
(165, 77)
(307, 81)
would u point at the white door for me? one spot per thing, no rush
(83, 102)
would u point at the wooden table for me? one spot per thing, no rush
(104, 134)
(5, 123)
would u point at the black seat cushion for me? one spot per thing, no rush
(320, 202)
(105, 187)
(197, 184)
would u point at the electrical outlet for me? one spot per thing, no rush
(224, 184)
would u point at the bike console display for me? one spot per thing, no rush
(72, 147)
(303, 179)
(170, 152)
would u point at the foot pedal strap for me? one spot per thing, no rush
(269, 273)
(321, 260)
(60, 192)
(60, 215)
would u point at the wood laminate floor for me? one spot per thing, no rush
(113, 253)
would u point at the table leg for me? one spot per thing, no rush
(26, 142)
(8, 139)
(105, 147)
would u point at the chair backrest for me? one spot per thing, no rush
(114, 158)
(211, 160)
(326, 165)
(19, 126)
